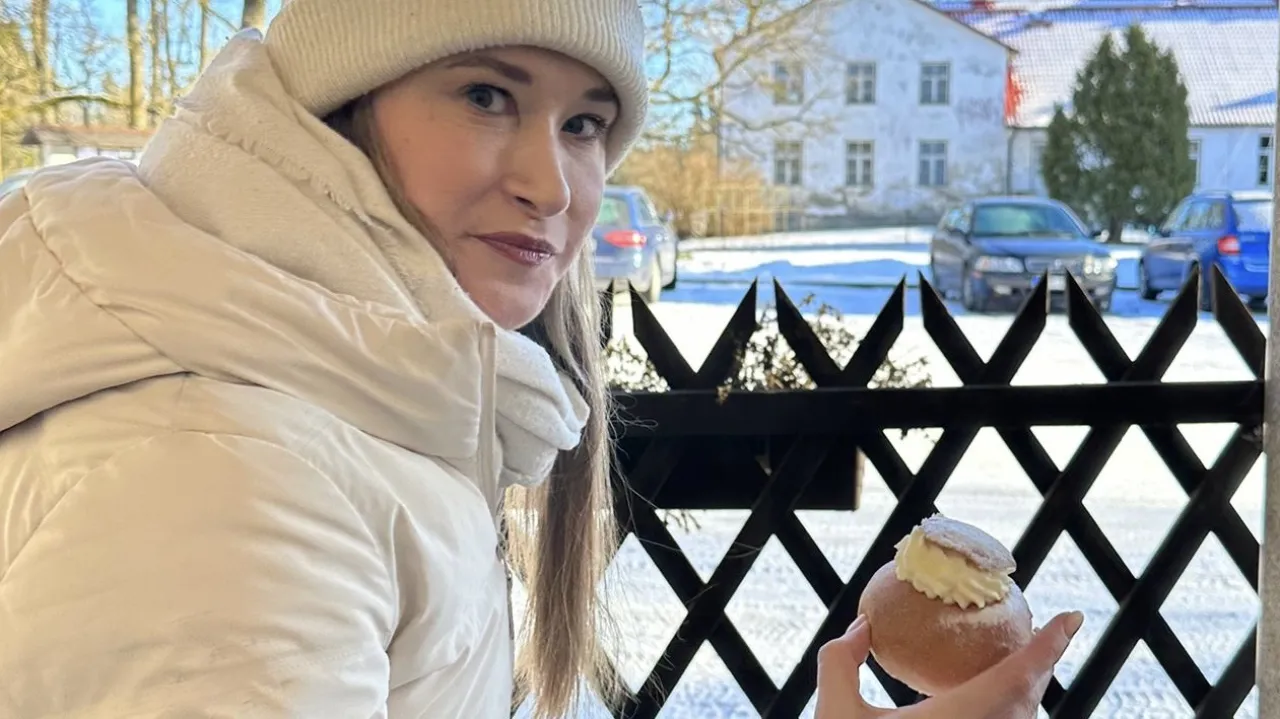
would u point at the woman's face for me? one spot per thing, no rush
(503, 153)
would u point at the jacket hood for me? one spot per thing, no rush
(255, 245)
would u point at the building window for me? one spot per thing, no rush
(788, 159)
(860, 162)
(933, 163)
(860, 83)
(1037, 166)
(1265, 153)
(1194, 154)
(935, 83)
(788, 83)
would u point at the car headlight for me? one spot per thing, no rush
(999, 264)
(1094, 265)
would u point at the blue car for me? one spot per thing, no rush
(633, 242)
(1229, 229)
(992, 251)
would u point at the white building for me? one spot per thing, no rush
(904, 114)
(1227, 56)
(61, 144)
(912, 106)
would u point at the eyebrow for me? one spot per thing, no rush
(519, 75)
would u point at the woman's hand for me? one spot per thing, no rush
(1011, 689)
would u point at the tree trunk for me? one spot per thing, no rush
(170, 62)
(40, 55)
(204, 34)
(155, 96)
(1115, 230)
(133, 40)
(255, 14)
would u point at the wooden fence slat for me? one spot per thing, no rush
(697, 446)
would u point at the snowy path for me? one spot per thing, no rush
(1135, 500)
(877, 260)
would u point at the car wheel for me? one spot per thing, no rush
(1144, 284)
(933, 279)
(675, 273)
(969, 295)
(653, 291)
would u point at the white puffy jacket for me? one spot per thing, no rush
(252, 435)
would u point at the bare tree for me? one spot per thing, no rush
(171, 60)
(155, 96)
(85, 57)
(133, 42)
(708, 50)
(204, 34)
(19, 83)
(255, 14)
(40, 52)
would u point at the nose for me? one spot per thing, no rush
(536, 177)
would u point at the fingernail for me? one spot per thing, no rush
(862, 619)
(1073, 623)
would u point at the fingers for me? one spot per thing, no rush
(839, 660)
(839, 687)
(1050, 643)
(1022, 676)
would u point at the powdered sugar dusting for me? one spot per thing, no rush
(981, 549)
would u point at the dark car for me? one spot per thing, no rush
(992, 251)
(634, 242)
(1229, 229)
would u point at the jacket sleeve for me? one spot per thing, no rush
(12, 206)
(198, 575)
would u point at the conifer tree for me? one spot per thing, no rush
(1121, 153)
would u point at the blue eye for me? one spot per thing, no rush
(486, 97)
(588, 126)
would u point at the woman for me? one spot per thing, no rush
(264, 394)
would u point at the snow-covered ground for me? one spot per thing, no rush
(873, 235)
(1135, 500)
(865, 258)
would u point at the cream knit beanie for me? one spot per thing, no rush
(329, 52)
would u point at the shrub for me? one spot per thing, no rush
(768, 364)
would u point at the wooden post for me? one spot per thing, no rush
(1268, 665)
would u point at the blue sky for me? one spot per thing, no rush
(111, 12)
(109, 16)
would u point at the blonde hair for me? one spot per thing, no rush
(562, 534)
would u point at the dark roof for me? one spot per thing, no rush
(1227, 55)
(119, 138)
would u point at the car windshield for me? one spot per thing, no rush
(1254, 215)
(1024, 219)
(613, 212)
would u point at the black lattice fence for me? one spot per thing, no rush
(774, 453)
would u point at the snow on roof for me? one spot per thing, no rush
(1042, 5)
(1227, 55)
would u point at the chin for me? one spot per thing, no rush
(511, 310)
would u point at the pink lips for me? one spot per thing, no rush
(520, 248)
